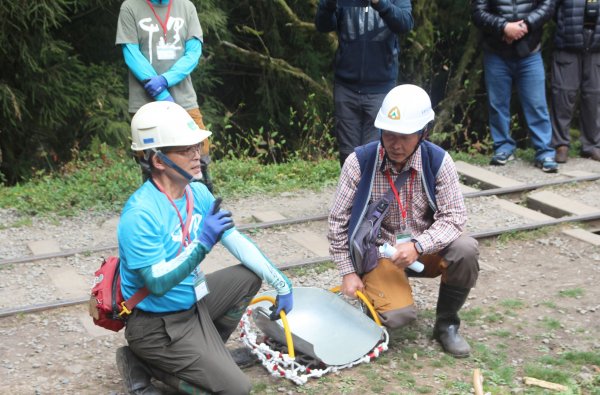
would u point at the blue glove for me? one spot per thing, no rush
(215, 223)
(155, 85)
(282, 302)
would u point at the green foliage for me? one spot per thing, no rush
(102, 178)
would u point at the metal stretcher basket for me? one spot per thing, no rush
(322, 328)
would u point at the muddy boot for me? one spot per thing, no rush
(445, 331)
(204, 161)
(135, 373)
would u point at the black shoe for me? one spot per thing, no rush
(501, 158)
(135, 374)
(243, 357)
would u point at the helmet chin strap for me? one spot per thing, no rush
(174, 166)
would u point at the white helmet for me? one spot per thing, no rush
(164, 124)
(406, 109)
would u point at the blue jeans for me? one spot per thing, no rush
(528, 75)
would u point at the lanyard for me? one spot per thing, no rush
(397, 195)
(162, 24)
(189, 205)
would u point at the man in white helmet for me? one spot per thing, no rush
(178, 332)
(404, 190)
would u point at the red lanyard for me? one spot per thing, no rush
(162, 24)
(189, 205)
(397, 195)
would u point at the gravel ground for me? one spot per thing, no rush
(57, 351)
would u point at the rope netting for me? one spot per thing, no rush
(278, 362)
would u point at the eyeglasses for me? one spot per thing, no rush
(189, 151)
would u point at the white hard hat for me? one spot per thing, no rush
(406, 109)
(164, 124)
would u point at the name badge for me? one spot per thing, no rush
(200, 286)
(165, 52)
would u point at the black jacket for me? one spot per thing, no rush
(491, 16)
(569, 27)
(366, 60)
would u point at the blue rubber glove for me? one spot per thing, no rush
(215, 223)
(282, 302)
(155, 85)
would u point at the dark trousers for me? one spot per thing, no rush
(574, 72)
(191, 344)
(355, 115)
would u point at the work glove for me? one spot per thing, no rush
(155, 85)
(215, 223)
(282, 302)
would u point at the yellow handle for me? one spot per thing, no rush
(286, 326)
(364, 299)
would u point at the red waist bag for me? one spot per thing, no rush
(107, 306)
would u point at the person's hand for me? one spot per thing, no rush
(351, 283)
(515, 31)
(405, 254)
(282, 302)
(155, 85)
(215, 223)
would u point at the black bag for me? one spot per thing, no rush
(364, 245)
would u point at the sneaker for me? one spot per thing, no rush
(548, 165)
(501, 158)
(243, 357)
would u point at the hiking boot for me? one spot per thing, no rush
(548, 165)
(593, 154)
(243, 357)
(135, 374)
(562, 154)
(501, 158)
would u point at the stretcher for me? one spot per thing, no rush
(322, 333)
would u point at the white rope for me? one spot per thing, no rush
(280, 364)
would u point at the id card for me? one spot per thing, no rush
(403, 237)
(200, 286)
(165, 52)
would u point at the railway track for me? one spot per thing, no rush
(267, 235)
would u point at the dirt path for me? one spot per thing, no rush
(534, 312)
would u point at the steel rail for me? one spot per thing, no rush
(319, 260)
(89, 250)
(293, 221)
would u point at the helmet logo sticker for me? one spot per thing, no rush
(394, 113)
(192, 125)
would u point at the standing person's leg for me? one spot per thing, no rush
(566, 80)
(590, 106)
(531, 81)
(347, 120)
(371, 103)
(205, 160)
(498, 82)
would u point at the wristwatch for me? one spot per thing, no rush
(418, 246)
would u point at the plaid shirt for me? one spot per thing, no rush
(433, 231)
